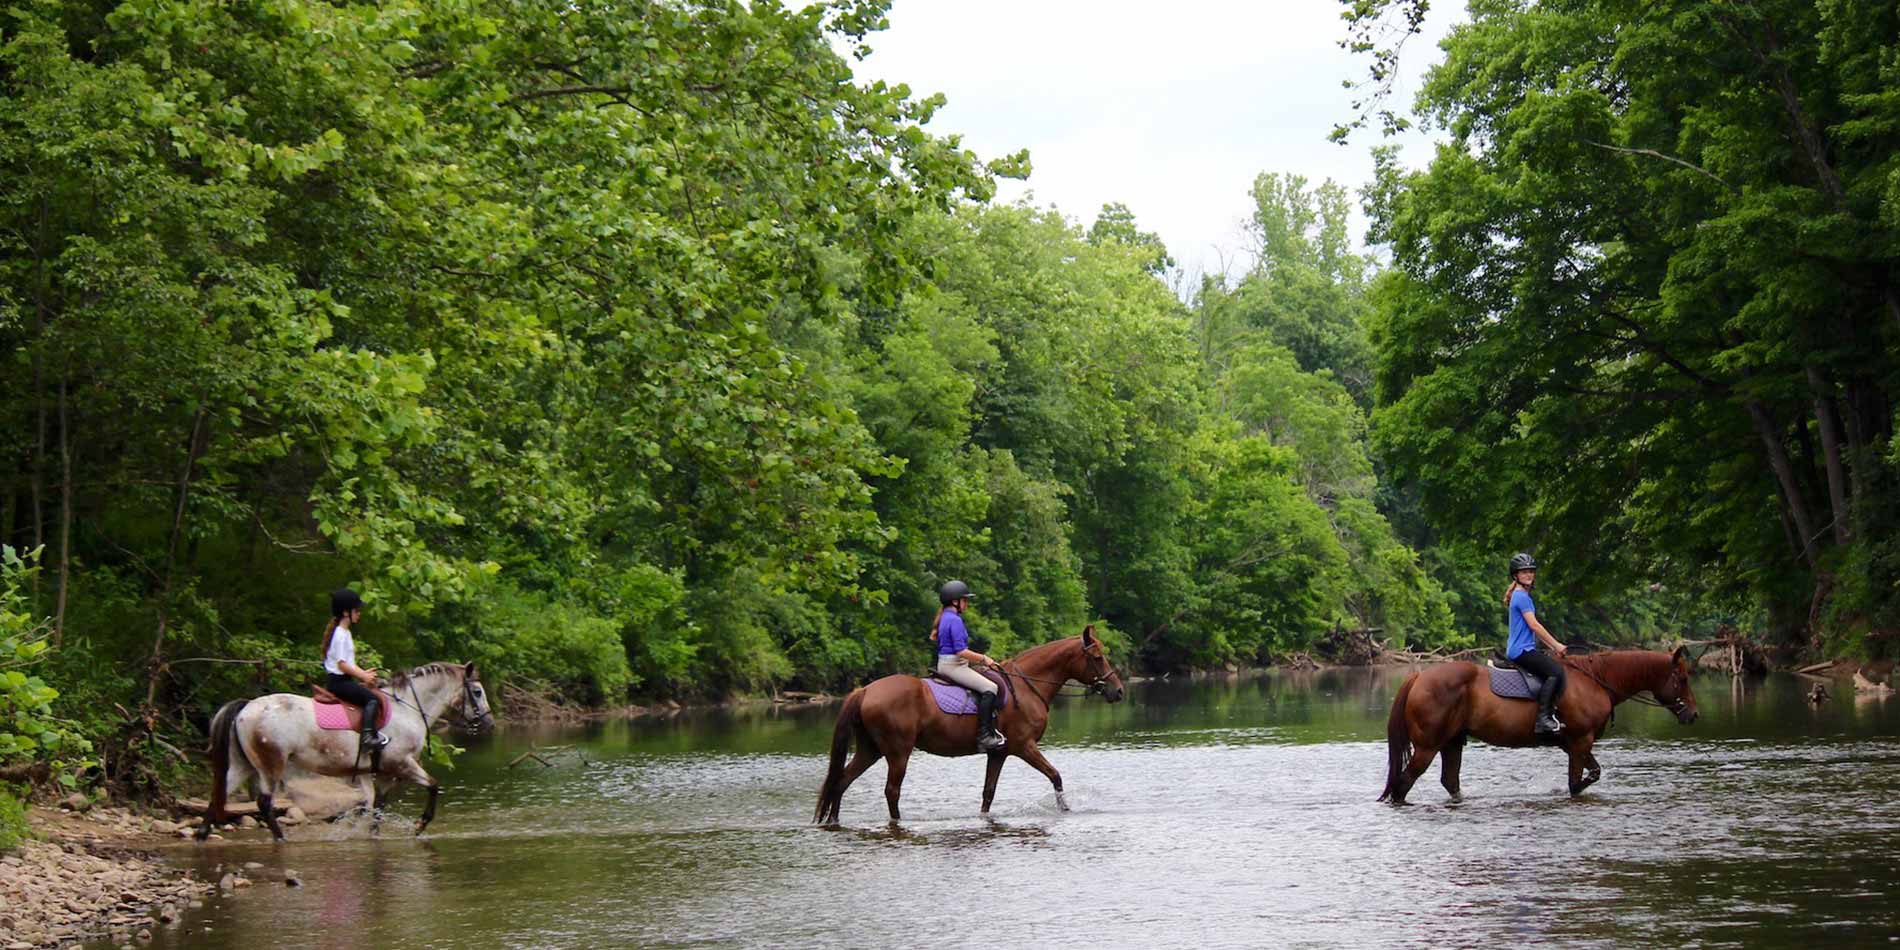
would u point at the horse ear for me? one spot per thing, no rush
(1681, 655)
(1088, 635)
(468, 672)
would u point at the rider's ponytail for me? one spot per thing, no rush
(329, 633)
(935, 623)
(1508, 591)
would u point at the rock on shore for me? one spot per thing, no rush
(84, 878)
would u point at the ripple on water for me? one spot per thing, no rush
(1224, 814)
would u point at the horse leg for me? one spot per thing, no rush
(412, 771)
(1453, 757)
(866, 756)
(1420, 761)
(1032, 754)
(271, 763)
(1584, 770)
(990, 774)
(235, 775)
(898, 760)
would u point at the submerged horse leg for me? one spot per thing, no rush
(990, 774)
(898, 760)
(1031, 754)
(1453, 757)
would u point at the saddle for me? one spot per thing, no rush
(957, 699)
(334, 713)
(1511, 681)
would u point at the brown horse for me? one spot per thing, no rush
(1439, 706)
(896, 714)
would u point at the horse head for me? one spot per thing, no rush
(474, 710)
(1094, 669)
(1674, 692)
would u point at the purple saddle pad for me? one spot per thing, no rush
(959, 701)
(1514, 684)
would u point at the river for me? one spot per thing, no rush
(1226, 812)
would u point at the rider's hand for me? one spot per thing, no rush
(1562, 650)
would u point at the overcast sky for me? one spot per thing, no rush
(1169, 108)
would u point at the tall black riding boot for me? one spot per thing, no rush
(1547, 722)
(372, 711)
(987, 738)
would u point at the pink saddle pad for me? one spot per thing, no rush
(346, 716)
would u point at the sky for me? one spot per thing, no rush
(1169, 108)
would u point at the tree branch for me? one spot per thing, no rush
(1667, 158)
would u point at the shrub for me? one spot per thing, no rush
(12, 819)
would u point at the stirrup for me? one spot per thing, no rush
(1549, 725)
(991, 741)
(374, 740)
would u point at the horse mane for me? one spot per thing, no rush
(424, 671)
(1621, 663)
(1039, 648)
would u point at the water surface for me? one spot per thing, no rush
(1214, 813)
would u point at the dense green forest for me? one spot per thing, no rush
(636, 349)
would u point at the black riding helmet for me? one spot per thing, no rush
(952, 592)
(1522, 562)
(343, 601)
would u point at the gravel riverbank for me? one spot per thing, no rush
(89, 875)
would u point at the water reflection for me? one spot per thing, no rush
(1210, 812)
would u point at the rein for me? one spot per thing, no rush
(1095, 685)
(1092, 686)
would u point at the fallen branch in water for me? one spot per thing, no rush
(536, 754)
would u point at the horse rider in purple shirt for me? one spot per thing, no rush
(1526, 636)
(954, 659)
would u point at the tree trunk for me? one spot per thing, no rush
(1784, 474)
(42, 310)
(65, 514)
(1831, 448)
(193, 446)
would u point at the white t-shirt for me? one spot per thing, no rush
(342, 650)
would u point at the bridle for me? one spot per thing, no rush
(474, 712)
(1096, 685)
(1676, 705)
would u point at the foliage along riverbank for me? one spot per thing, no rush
(653, 356)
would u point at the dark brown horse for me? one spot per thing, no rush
(896, 714)
(1439, 706)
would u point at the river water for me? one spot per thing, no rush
(1234, 812)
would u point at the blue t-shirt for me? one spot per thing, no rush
(1521, 637)
(952, 638)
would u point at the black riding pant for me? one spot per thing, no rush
(1539, 663)
(351, 691)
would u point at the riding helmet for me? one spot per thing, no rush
(1522, 562)
(952, 592)
(343, 601)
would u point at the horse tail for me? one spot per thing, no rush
(840, 744)
(223, 740)
(1398, 743)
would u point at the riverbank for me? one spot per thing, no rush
(91, 874)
